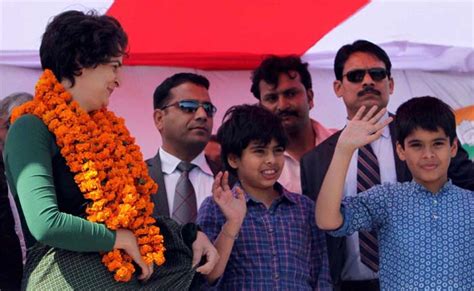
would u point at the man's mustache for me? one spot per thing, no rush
(368, 90)
(284, 113)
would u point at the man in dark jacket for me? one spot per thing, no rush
(363, 78)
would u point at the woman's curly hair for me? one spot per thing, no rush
(74, 40)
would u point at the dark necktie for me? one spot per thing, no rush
(184, 205)
(368, 175)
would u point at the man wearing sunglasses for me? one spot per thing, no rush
(363, 78)
(184, 117)
(283, 85)
(183, 114)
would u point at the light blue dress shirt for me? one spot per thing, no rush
(425, 239)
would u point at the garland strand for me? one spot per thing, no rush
(108, 168)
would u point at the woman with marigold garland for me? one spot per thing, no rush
(79, 178)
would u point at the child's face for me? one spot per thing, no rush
(259, 166)
(428, 155)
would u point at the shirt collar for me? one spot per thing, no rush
(443, 190)
(321, 133)
(284, 194)
(169, 163)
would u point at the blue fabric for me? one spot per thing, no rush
(425, 239)
(279, 248)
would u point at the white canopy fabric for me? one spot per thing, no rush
(417, 35)
(430, 43)
(420, 35)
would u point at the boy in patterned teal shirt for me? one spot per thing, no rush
(424, 227)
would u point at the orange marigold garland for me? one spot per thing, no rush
(108, 166)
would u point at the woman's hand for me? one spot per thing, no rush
(126, 240)
(202, 247)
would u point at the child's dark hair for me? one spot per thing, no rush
(428, 113)
(243, 124)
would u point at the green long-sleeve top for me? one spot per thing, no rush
(51, 204)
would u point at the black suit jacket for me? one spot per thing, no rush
(160, 198)
(315, 164)
(11, 268)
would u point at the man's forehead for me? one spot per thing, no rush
(286, 80)
(363, 60)
(189, 90)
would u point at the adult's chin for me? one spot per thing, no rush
(291, 127)
(199, 142)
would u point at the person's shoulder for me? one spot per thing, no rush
(462, 191)
(28, 121)
(208, 204)
(28, 128)
(153, 161)
(395, 193)
(209, 211)
(149, 161)
(29, 131)
(328, 143)
(301, 206)
(300, 199)
(390, 188)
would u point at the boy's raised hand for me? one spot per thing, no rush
(363, 128)
(233, 208)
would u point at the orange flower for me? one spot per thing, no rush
(108, 168)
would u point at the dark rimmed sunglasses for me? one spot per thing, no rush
(191, 106)
(356, 76)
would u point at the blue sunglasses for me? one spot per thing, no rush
(191, 106)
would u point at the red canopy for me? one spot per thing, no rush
(216, 34)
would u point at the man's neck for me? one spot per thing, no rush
(186, 155)
(301, 142)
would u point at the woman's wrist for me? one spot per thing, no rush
(189, 233)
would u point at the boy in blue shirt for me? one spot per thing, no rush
(424, 227)
(266, 236)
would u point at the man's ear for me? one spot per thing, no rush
(158, 119)
(400, 151)
(454, 147)
(391, 85)
(310, 94)
(233, 161)
(337, 86)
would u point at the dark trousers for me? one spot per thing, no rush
(365, 285)
(11, 264)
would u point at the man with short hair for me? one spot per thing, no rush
(283, 85)
(184, 116)
(363, 78)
